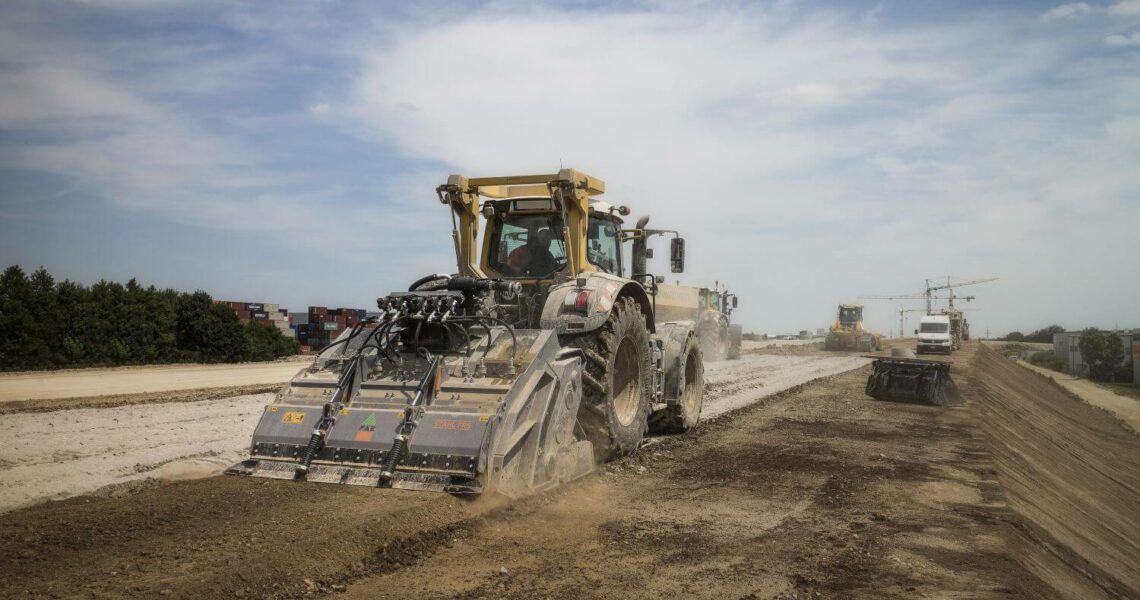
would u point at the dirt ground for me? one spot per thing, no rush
(815, 492)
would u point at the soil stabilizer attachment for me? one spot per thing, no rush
(913, 380)
(432, 396)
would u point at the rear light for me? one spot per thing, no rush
(576, 301)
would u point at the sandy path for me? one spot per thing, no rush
(70, 452)
(730, 385)
(65, 453)
(79, 383)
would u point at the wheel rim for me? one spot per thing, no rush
(626, 383)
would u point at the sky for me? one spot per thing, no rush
(811, 153)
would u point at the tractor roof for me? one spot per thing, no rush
(523, 186)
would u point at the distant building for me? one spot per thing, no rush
(1067, 347)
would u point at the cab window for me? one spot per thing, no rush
(527, 245)
(603, 246)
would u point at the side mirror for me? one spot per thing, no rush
(677, 255)
(734, 302)
(916, 332)
(659, 279)
(649, 253)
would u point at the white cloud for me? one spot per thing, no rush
(850, 147)
(1125, 8)
(1066, 11)
(809, 156)
(1120, 39)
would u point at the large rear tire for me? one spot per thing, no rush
(690, 393)
(615, 403)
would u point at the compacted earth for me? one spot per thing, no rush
(816, 491)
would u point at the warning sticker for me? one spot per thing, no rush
(294, 418)
(452, 424)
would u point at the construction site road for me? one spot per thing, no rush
(63, 453)
(814, 492)
(87, 383)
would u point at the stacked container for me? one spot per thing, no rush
(267, 313)
(324, 325)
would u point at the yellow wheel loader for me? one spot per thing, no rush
(847, 332)
(541, 357)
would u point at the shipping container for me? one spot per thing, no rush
(242, 314)
(237, 305)
(254, 306)
(318, 310)
(258, 316)
(330, 326)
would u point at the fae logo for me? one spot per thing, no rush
(367, 427)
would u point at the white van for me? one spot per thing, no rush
(934, 335)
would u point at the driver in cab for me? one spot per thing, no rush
(534, 257)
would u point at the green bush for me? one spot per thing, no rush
(1047, 359)
(49, 325)
(1103, 352)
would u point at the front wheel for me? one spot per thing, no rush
(615, 403)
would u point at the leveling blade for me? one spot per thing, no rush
(913, 380)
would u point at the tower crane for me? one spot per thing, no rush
(929, 295)
(930, 289)
(902, 324)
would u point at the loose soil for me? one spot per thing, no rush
(815, 492)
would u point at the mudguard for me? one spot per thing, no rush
(673, 335)
(565, 316)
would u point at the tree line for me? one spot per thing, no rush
(50, 325)
(1102, 351)
(1041, 336)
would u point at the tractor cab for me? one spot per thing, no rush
(850, 314)
(525, 239)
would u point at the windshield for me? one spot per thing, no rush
(850, 315)
(934, 327)
(527, 245)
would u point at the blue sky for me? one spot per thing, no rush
(810, 152)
